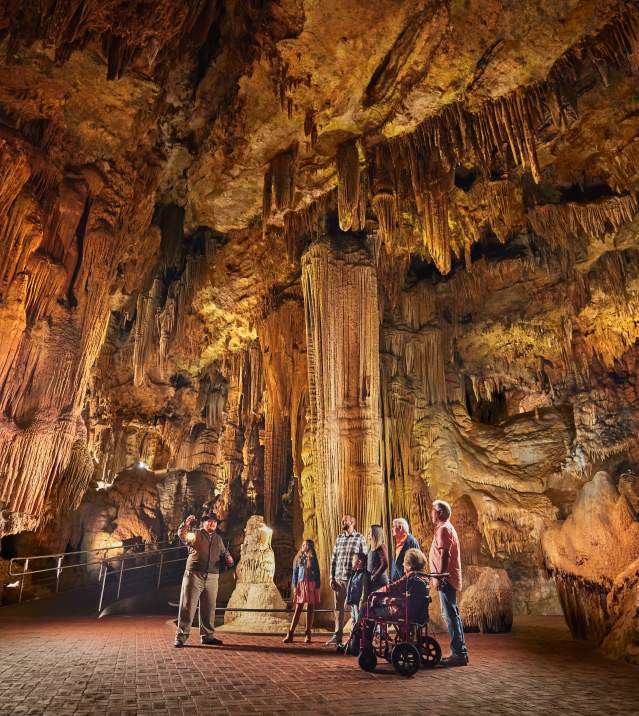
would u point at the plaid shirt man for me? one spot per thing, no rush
(345, 547)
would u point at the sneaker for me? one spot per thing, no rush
(178, 644)
(211, 641)
(334, 641)
(455, 660)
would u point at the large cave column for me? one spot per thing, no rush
(283, 343)
(342, 333)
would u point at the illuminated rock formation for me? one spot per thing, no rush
(297, 259)
(593, 557)
(342, 338)
(254, 586)
(486, 602)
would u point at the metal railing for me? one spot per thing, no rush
(160, 559)
(22, 567)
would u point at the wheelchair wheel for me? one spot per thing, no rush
(430, 652)
(367, 659)
(405, 659)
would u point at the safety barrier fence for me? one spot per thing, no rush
(49, 569)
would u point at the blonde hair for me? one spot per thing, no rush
(377, 536)
(415, 559)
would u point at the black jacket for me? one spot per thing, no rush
(358, 587)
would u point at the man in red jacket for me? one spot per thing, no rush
(445, 556)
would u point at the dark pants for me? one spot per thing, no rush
(450, 612)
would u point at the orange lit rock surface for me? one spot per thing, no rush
(294, 258)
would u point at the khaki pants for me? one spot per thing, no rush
(197, 590)
(340, 605)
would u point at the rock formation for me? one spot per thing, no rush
(254, 587)
(594, 558)
(294, 259)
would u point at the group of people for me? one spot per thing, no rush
(359, 568)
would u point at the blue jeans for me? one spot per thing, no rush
(450, 612)
(354, 614)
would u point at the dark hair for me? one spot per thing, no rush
(361, 556)
(300, 551)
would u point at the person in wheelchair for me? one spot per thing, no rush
(389, 602)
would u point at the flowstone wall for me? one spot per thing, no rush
(255, 261)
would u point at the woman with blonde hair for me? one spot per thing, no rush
(377, 558)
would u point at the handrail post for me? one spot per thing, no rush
(160, 569)
(58, 573)
(102, 577)
(117, 596)
(24, 571)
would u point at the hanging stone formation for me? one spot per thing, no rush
(251, 265)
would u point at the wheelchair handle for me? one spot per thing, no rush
(438, 575)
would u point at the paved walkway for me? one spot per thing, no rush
(128, 665)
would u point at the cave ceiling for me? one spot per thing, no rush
(197, 198)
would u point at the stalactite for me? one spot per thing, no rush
(348, 185)
(501, 207)
(283, 169)
(308, 223)
(145, 329)
(165, 328)
(22, 235)
(560, 223)
(46, 280)
(384, 202)
(267, 197)
(436, 229)
(279, 184)
(513, 119)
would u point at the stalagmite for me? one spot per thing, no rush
(342, 336)
(254, 586)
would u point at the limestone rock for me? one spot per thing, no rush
(255, 588)
(593, 557)
(486, 602)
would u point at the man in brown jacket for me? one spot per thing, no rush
(199, 584)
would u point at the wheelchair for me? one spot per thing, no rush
(406, 644)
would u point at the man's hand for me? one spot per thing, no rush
(333, 584)
(190, 520)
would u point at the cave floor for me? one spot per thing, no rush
(127, 664)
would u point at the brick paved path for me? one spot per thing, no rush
(128, 665)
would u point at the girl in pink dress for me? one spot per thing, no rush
(305, 588)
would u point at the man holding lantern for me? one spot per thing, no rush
(207, 554)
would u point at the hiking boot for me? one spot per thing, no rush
(211, 641)
(455, 660)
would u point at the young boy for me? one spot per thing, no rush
(358, 586)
